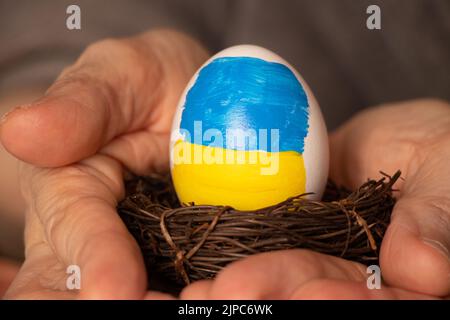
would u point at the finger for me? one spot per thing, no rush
(331, 289)
(199, 290)
(41, 277)
(141, 152)
(277, 275)
(116, 86)
(293, 274)
(415, 251)
(76, 206)
(8, 270)
(155, 295)
(89, 104)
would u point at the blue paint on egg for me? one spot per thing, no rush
(248, 93)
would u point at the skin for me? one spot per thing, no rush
(111, 112)
(8, 270)
(12, 205)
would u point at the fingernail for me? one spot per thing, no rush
(6, 115)
(439, 246)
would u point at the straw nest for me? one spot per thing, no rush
(191, 242)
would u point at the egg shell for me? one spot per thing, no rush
(200, 184)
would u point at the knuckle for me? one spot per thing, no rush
(71, 77)
(126, 63)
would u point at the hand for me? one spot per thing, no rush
(8, 270)
(111, 110)
(415, 263)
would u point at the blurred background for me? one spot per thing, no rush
(347, 66)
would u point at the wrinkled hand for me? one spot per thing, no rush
(111, 110)
(415, 263)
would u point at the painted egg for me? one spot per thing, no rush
(248, 133)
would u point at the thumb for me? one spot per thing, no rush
(412, 136)
(89, 104)
(415, 253)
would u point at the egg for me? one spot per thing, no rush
(248, 133)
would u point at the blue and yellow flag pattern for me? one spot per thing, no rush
(244, 124)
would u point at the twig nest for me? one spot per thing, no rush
(190, 242)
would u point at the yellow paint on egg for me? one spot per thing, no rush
(244, 180)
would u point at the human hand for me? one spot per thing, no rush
(8, 270)
(109, 111)
(412, 136)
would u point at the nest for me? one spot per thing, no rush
(192, 242)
